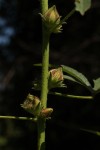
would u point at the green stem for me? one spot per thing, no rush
(44, 79)
(44, 90)
(72, 96)
(44, 6)
(68, 15)
(45, 66)
(18, 118)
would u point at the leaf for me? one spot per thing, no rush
(96, 85)
(70, 78)
(77, 76)
(82, 6)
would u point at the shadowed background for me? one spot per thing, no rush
(78, 46)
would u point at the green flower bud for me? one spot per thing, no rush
(56, 74)
(45, 113)
(55, 78)
(32, 105)
(51, 20)
(51, 15)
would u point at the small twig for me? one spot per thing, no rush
(68, 16)
(18, 118)
(71, 96)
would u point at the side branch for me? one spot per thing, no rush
(18, 118)
(72, 96)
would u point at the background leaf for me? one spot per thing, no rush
(82, 6)
(70, 78)
(76, 76)
(96, 85)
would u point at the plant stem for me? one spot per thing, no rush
(45, 66)
(44, 6)
(44, 90)
(18, 118)
(72, 96)
(44, 79)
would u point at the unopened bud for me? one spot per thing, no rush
(32, 104)
(56, 74)
(51, 20)
(51, 15)
(55, 78)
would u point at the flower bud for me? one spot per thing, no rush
(32, 105)
(56, 74)
(45, 113)
(55, 78)
(51, 15)
(51, 20)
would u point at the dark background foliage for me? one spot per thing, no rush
(78, 46)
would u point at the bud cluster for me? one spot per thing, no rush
(32, 104)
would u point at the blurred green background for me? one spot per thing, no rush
(78, 46)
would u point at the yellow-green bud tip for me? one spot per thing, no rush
(51, 19)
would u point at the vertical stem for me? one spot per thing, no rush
(45, 66)
(44, 90)
(44, 83)
(44, 6)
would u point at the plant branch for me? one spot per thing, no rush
(68, 15)
(44, 6)
(45, 66)
(18, 118)
(72, 96)
(44, 89)
(44, 79)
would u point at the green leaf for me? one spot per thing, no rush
(77, 76)
(96, 85)
(82, 6)
(70, 78)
